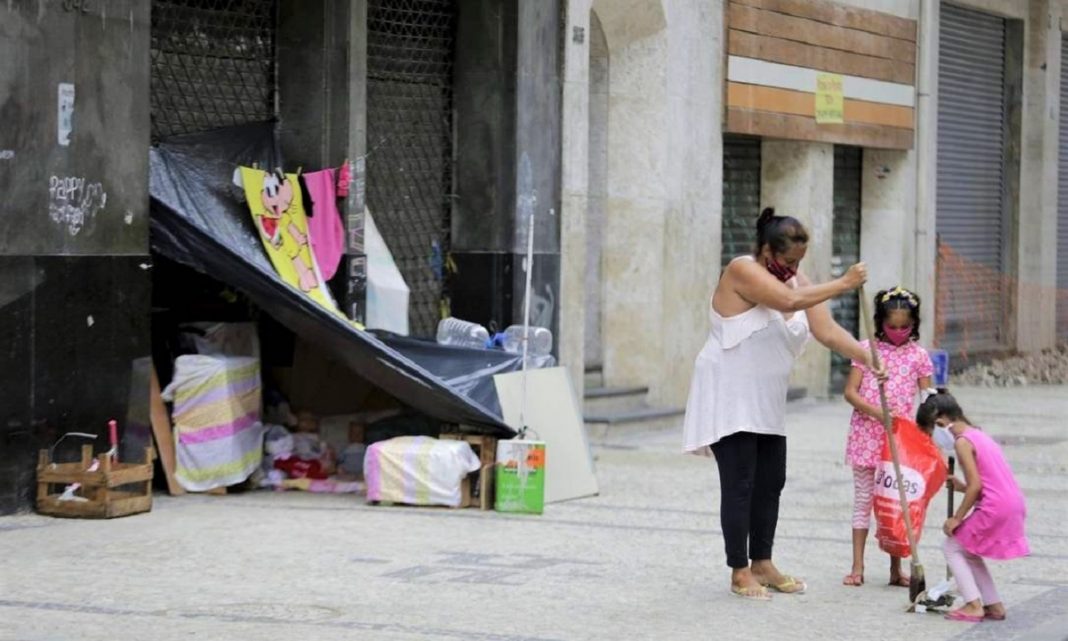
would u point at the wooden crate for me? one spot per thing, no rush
(105, 500)
(485, 448)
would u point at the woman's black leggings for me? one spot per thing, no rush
(752, 472)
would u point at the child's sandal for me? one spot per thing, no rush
(853, 580)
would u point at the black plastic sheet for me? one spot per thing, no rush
(200, 219)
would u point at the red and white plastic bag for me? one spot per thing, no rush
(923, 472)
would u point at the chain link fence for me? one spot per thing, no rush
(213, 64)
(410, 54)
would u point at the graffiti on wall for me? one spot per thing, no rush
(73, 201)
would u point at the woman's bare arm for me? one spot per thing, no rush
(755, 284)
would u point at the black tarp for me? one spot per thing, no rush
(199, 219)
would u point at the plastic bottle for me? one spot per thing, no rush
(461, 333)
(541, 340)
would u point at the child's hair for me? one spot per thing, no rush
(780, 233)
(940, 405)
(896, 298)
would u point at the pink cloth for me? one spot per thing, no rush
(325, 230)
(973, 578)
(863, 496)
(905, 366)
(995, 527)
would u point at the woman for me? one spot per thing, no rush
(762, 313)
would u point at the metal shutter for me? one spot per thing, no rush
(410, 54)
(846, 242)
(971, 215)
(741, 195)
(1062, 205)
(212, 64)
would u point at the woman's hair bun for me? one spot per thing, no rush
(766, 217)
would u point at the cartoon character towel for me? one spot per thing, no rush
(275, 202)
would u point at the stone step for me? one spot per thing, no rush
(608, 400)
(594, 377)
(604, 428)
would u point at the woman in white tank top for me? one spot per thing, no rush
(762, 313)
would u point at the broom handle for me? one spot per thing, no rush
(888, 426)
(949, 511)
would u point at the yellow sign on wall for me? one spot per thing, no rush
(830, 107)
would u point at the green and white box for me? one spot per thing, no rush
(520, 483)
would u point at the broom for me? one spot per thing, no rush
(917, 582)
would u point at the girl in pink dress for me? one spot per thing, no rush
(990, 520)
(908, 370)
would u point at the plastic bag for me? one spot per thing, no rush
(924, 474)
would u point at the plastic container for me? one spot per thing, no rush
(541, 340)
(461, 333)
(520, 482)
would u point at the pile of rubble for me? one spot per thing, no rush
(1046, 368)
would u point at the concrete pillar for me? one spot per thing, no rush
(797, 179)
(923, 256)
(693, 229)
(639, 200)
(75, 270)
(323, 116)
(507, 105)
(574, 288)
(1036, 236)
(887, 218)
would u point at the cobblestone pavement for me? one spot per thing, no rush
(643, 560)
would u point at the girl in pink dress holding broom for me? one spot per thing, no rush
(989, 524)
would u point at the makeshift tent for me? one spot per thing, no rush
(199, 219)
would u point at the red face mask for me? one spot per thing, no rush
(780, 271)
(897, 336)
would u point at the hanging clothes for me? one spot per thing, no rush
(324, 226)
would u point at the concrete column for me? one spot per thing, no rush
(924, 248)
(323, 115)
(1036, 235)
(887, 219)
(797, 179)
(507, 106)
(354, 283)
(693, 229)
(574, 179)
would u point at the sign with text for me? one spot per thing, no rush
(830, 106)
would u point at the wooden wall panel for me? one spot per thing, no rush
(790, 127)
(841, 16)
(750, 45)
(808, 31)
(798, 103)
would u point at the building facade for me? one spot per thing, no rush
(922, 137)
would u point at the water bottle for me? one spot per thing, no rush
(461, 333)
(541, 340)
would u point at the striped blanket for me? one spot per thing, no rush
(217, 431)
(418, 470)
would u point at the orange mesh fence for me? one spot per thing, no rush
(975, 308)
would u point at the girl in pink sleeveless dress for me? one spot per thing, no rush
(989, 524)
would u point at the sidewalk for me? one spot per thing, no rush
(643, 560)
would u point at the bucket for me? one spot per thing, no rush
(520, 477)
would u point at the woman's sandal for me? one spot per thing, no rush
(990, 616)
(753, 593)
(789, 585)
(957, 615)
(853, 580)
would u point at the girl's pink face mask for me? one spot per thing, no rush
(898, 335)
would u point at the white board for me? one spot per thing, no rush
(552, 416)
